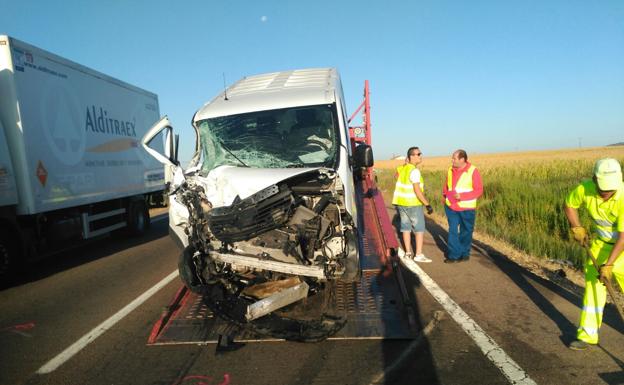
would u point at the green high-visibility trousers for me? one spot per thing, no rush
(595, 292)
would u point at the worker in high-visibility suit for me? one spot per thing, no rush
(603, 197)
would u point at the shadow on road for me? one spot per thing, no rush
(82, 253)
(409, 361)
(411, 364)
(613, 377)
(527, 282)
(403, 361)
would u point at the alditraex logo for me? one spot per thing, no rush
(98, 121)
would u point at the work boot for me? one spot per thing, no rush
(578, 345)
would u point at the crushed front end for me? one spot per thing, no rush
(268, 262)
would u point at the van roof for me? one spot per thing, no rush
(304, 87)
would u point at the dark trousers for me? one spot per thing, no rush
(461, 225)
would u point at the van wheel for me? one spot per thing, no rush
(188, 271)
(138, 218)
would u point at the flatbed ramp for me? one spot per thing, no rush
(375, 306)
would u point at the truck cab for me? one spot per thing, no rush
(266, 211)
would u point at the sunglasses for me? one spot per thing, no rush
(419, 154)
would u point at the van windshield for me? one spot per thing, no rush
(289, 137)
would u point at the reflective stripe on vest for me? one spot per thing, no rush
(464, 184)
(606, 230)
(404, 194)
(607, 236)
(604, 215)
(602, 222)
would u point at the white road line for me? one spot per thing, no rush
(68, 353)
(512, 371)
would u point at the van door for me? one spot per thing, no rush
(174, 174)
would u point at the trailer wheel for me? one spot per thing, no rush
(138, 218)
(7, 257)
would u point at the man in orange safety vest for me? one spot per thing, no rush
(462, 188)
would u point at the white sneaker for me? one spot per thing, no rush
(421, 258)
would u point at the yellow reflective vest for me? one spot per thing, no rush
(607, 216)
(464, 184)
(404, 194)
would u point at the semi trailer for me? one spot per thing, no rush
(71, 163)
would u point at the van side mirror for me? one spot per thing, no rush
(363, 156)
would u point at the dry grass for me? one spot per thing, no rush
(503, 159)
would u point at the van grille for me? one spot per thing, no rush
(252, 216)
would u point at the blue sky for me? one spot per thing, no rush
(487, 76)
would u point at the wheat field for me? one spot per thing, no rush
(523, 194)
(494, 160)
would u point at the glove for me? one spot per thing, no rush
(605, 273)
(429, 209)
(580, 235)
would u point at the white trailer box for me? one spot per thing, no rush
(70, 152)
(74, 133)
(8, 190)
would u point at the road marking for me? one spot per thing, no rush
(510, 369)
(68, 353)
(20, 329)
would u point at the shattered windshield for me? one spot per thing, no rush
(288, 137)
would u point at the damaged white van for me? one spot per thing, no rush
(266, 211)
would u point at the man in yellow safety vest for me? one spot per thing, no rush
(603, 197)
(409, 199)
(462, 188)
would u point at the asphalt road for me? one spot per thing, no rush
(56, 303)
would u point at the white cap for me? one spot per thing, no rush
(608, 174)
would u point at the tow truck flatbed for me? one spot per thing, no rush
(375, 306)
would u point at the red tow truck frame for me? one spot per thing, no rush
(363, 135)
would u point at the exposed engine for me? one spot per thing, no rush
(261, 261)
